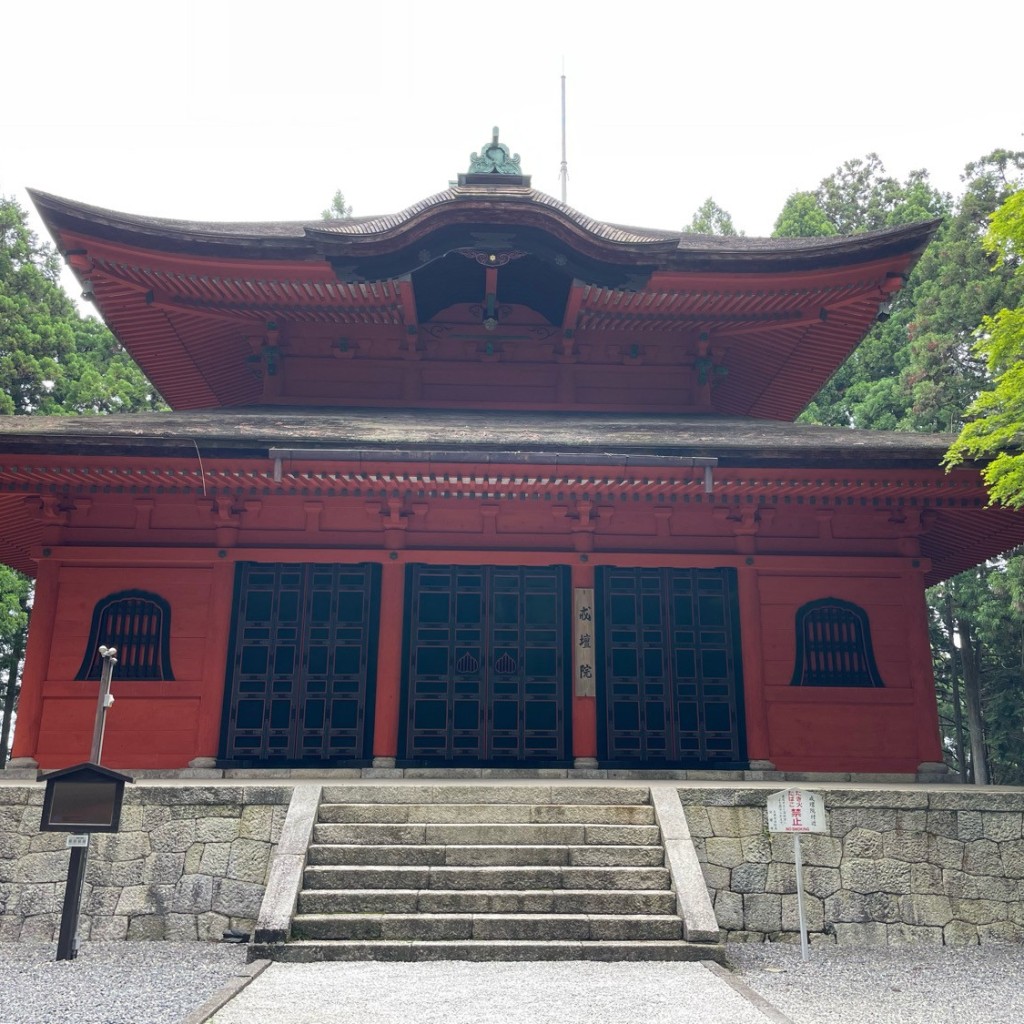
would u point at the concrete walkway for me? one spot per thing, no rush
(496, 993)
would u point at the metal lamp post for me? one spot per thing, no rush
(109, 656)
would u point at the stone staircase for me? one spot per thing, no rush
(486, 872)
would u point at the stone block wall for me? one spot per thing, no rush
(944, 866)
(189, 862)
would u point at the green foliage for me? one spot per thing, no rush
(918, 369)
(860, 196)
(986, 606)
(339, 209)
(995, 430)
(710, 219)
(51, 359)
(957, 284)
(803, 217)
(15, 591)
(35, 315)
(99, 376)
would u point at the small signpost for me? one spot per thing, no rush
(80, 800)
(797, 811)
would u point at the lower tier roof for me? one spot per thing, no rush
(471, 434)
(737, 467)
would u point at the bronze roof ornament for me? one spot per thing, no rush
(494, 158)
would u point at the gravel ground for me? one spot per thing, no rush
(161, 982)
(111, 982)
(457, 992)
(888, 984)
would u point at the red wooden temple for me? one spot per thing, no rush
(483, 483)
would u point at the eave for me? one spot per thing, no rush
(48, 464)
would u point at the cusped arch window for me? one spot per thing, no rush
(136, 623)
(833, 645)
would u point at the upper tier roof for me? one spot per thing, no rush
(500, 204)
(483, 295)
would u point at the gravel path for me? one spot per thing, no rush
(889, 984)
(111, 982)
(457, 992)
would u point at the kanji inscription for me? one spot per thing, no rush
(583, 641)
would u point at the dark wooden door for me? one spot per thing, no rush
(670, 682)
(486, 665)
(302, 663)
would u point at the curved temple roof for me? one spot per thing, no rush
(486, 295)
(500, 204)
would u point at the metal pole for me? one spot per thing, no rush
(67, 940)
(800, 894)
(109, 656)
(564, 171)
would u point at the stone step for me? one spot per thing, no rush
(580, 856)
(487, 877)
(487, 813)
(489, 793)
(486, 901)
(484, 950)
(586, 927)
(487, 835)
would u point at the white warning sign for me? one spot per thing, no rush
(796, 810)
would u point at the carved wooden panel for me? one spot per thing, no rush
(303, 663)
(486, 664)
(670, 690)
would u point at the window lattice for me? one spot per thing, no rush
(833, 646)
(138, 625)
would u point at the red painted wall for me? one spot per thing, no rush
(847, 729)
(782, 561)
(151, 724)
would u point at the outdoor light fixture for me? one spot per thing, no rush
(88, 292)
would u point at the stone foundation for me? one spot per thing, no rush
(940, 866)
(188, 863)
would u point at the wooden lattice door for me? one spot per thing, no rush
(302, 663)
(670, 683)
(486, 665)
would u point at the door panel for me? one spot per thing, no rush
(302, 663)
(670, 690)
(486, 664)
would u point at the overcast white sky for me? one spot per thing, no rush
(224, 110)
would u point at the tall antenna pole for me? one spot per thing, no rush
(563, 172)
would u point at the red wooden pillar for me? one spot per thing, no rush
(929, 744)
(584, 709)
(37, 660)
(215, 664)
(755, 709)
(389, 665)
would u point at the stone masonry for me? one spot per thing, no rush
(916, 865)
(189, 862)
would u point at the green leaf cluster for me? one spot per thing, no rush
(710, 219)
(995, 429)
(338, 210)
(51, 359)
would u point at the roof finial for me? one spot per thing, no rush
(494, 158)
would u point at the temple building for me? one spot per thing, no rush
(486, 482)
